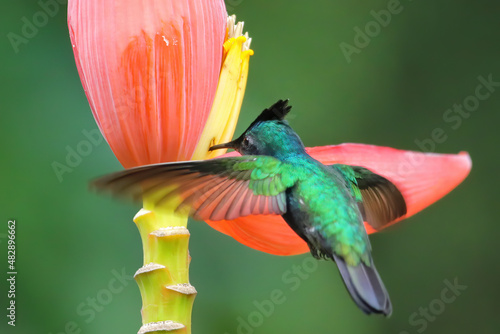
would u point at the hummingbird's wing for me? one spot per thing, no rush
(380, 201)
(218, 189)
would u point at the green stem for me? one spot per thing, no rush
(167, 296)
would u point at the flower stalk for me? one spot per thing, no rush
(163, 280)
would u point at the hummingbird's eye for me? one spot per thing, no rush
(246, 142)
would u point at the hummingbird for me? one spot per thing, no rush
(324, 204)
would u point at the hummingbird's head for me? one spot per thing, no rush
(269, 134)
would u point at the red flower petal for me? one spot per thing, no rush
(269, 234)
(150, 70)
(422, 178)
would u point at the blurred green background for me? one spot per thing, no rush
(395, 90)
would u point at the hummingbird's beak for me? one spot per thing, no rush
(232, 144)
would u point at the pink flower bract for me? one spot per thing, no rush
(150, 70)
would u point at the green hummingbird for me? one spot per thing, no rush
(324, 204)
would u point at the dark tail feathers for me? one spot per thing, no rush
(365, 286)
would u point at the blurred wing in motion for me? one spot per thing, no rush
(218, 189)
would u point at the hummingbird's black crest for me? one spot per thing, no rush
(276, 112)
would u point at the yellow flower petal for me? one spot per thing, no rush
(226, 108)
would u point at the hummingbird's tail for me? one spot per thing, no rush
(365, 286)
